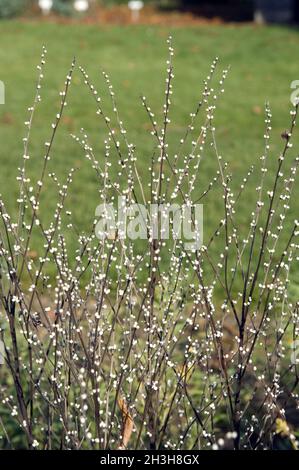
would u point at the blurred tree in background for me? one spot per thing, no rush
(63, 7)
(10, 8)
(263, 11)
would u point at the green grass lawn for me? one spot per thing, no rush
(263, 63)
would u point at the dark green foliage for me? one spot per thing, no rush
(10, 8)
(63, 7)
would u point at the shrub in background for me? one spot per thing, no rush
(63, 7)
(10, 8)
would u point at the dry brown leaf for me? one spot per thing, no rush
(32, 254)
(127, 424)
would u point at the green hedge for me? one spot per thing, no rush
(63, 7)
(10, 8)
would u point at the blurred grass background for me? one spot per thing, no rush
(263, 63)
